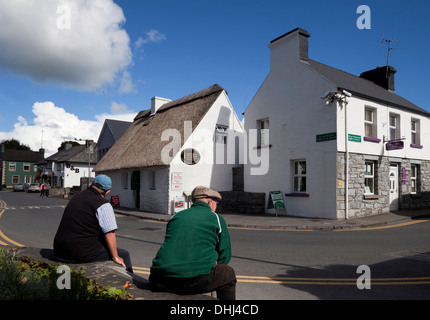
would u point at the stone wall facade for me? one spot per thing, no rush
(360, 204)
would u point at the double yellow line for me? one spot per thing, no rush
(2, 235)
(319, 281)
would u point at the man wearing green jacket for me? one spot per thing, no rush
(196, 250)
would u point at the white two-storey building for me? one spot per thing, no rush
(339, 145)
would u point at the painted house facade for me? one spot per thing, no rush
(339, 145)
(66, 167)
(171, 148)
(19, 166)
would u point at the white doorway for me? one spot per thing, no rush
(394, 186)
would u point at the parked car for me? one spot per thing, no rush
(19, 187)
(34, 187)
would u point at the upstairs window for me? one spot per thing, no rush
(415, 132)
(263, 132)
(221, 134)
(394, 127)
(370, 123)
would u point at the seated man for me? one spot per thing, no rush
(87, 228)
(196, 250)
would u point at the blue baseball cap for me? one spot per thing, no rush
(104, 181)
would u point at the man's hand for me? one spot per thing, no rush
(119, 260)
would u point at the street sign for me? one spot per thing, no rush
(354, 138)
(326, 137)
(394, 145)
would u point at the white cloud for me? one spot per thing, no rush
(74, 43)
(54, 125)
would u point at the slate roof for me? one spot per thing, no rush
(363, 88)
(22, 155)
(76, 154)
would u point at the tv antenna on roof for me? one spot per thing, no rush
(389, 41)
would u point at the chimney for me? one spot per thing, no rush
(382, 76)
(299, 38)
(68, 146)
(156, 103)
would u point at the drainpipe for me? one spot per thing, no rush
(346, 162)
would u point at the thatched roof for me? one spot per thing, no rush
(141, 145)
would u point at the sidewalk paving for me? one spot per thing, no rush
(266, 221)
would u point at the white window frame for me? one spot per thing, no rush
(299, 176)
(370, 123)
(369, 175)
(414, 178)
(394, 128)
(221, 133)
(415, 131)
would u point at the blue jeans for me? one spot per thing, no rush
(103, 255)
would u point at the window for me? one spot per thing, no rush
(190, 156)
(369, 177)
(300, 176)
(415, 132)
(394, 127)
(124, 180)
(370, 123)
(26, 167)
(151, 180)
(221, 134)
(414, 178)
(15, 179)
(263, 132)
(12, 166)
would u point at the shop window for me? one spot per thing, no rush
(369, 177)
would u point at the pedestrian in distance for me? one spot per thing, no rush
(47, 185)
(42, 189)
(87, 229)
(196, 251)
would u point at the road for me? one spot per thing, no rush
(272, 265)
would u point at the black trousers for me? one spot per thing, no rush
(221, 279)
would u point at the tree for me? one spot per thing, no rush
(13, 144)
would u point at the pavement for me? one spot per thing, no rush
(285, 222)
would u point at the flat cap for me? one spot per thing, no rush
(201, 192)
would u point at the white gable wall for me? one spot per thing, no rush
(208, 171)
(291, 98)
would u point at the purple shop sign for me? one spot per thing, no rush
(394, 145)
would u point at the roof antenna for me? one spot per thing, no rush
(389, 49)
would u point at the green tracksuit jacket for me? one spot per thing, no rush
(196, 240)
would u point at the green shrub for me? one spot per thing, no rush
(27, 279)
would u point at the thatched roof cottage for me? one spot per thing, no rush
(173, 147)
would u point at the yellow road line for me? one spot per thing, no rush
(2, 235)
(387, 227)
(319, 281)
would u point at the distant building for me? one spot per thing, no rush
(19, 166)
(111, 131)
(66, 167)
(340, 145)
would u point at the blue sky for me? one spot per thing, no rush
(64, 77)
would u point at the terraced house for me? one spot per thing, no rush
(340, 145)
(19, 166)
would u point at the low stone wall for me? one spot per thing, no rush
(241, 202)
